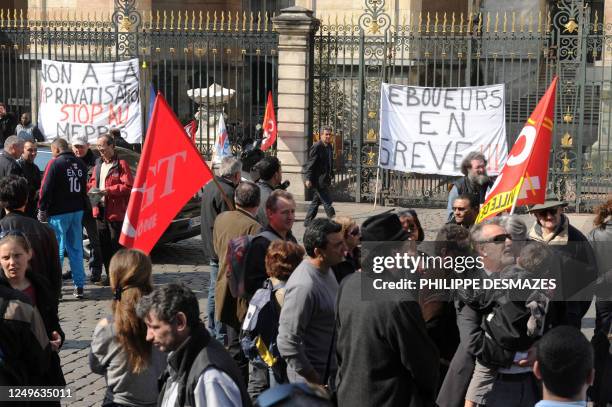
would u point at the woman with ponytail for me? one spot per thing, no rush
(119, 350)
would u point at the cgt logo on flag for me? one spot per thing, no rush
(269, 125)
(521, 169)
(161, 188)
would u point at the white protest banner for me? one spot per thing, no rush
(430, 130)
(89, 99)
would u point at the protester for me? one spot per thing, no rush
(436, 305)
(80, 148)
(216, 198)
(119, 349)
(517, 229)
(249, 157)
(492, 243)
(280, 212)
(230, 311)
(411, 224)
(26, 130)
(13, 148)
(282, 258)
(7, 124)
(199, 370)
(601, 240)
(62, 200)
(352, 257)
(45, 252)
(307, 319)
(31, 172)
(385, 356)
(475, 181)
(465, 210)
(515, 319)
(319, 175)
(564, 364)
(270, 177)
(15, 255)
(113, 178)
(572, 251)
(26, 350)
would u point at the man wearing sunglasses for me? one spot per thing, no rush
(574, 256)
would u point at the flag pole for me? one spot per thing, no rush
(517, 196)
(376, 188)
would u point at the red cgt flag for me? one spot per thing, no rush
(171, 170)
(522, 180)
(269, 125)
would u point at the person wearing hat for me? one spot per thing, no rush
(385, 356)
(80, 148)
(576, 262)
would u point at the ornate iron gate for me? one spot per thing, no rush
(353, 56)
(178, 50)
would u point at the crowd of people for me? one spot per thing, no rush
(286, 323)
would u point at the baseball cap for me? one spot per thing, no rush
(79, 140)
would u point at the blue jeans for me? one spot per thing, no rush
(68, 228)
(215, 327)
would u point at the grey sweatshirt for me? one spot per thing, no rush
(307, 319)
(106, 357)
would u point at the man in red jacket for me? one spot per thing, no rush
(113, 178)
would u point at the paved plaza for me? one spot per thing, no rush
(184, 262)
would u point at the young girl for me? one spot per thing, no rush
(119, 349)
(15, 255)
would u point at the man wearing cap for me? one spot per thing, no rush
(385, 356)
(80, 148)
(576, 261)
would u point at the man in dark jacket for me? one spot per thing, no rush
(214, 202)
(475, 181)
(7, 124)
(574, 256)
(319, 175)
(80, 148)
(26, 350)
(280, 215)
(62, 200)
(465, 210)
(113, 178)
(385, 356)
(45, 259)
(270, 177)
(13, 148)
(31, 172)
(199, 371)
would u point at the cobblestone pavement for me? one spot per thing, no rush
(182, 262)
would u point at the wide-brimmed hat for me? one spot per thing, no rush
(551, 201)
(385, 227)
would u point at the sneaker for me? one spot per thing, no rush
(67, 275)
(78, 293)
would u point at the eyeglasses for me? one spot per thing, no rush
(498, 239)
(546, 212)
(12, 232)
(354, 232)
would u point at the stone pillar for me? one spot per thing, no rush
(296, 27)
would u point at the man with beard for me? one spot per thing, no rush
(494, 245)
(574, 256)
(474, 183)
